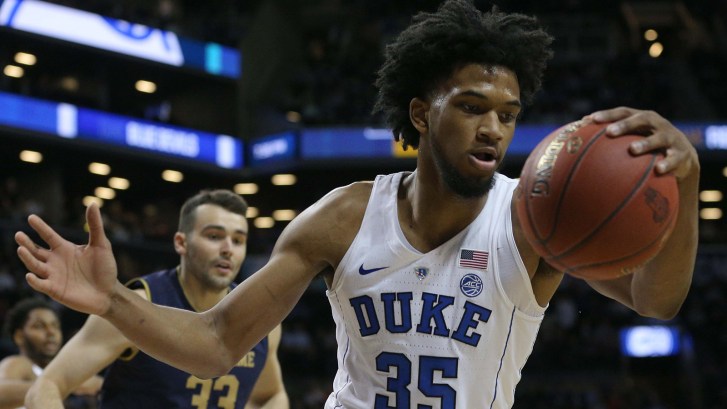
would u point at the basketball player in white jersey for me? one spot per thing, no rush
(436, 294)
(35, 329)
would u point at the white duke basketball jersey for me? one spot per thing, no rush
(451, 328)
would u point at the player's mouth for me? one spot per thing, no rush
(484, 159)
(224, 267)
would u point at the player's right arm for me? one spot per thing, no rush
(84, 278)
(96, 345)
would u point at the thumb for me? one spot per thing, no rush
(96, 234)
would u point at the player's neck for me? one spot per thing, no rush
(430, 213)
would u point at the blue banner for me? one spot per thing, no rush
(119, 36)
(70, 121)
(282, 147)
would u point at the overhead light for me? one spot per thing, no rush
(172, 176)
(246, 188)
(293, 116)
(98, 168)
(105, 192)
(252, 212)
(283, 179)
(650, 35)
(92, 199)
(710, 213)
(264, 222)
(284, 215)
(710, 196)
(724, 171)
(14, 71)
(25, 58)
(656, 49)
(69, 83)
(119, 183)
(31, 156)
(146, 87)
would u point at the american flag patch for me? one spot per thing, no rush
(473, 259)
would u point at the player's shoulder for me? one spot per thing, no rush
(16, 367)
(346, 201)
(327, 227)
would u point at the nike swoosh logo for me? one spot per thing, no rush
(363, 271)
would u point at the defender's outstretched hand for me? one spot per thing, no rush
(80, 277)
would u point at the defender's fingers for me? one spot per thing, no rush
(34, 265)
(38, 284)
(97, 236)
(38, 252)
(45, 232)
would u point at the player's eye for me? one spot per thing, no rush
(470, 108)
(508, 117)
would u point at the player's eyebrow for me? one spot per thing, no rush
(221, 227)
(471, 93)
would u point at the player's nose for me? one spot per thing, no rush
(489, 129)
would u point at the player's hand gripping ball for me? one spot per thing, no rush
(592, 209)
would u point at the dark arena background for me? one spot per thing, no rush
(272, 98)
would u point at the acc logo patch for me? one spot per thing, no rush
(471, 285)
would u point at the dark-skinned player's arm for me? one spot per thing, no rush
(658, 289)
(84, 278)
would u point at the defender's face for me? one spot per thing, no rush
(471, 123)
(216, 247)
(41, 336)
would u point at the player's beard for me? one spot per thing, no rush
(214, 282)
(463, 186)
(38, 355)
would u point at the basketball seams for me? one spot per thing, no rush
(616, 211)
(566, 184)
(666, 229)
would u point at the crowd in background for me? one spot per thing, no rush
(577, 362)
(601, 58)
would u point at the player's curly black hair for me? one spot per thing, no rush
(18, 316)
(435, 44)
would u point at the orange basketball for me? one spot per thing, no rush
(592, 209)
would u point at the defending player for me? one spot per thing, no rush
(211, 243)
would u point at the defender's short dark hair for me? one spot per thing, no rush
(223, 198)
(436, 44)
(17, 316)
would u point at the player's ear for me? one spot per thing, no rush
(419, 114)
(180, 243)
(18, 338)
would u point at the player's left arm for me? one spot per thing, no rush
(660, 287)
(16, 377)
(269, 391)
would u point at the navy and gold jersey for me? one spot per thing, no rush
(138, 381)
